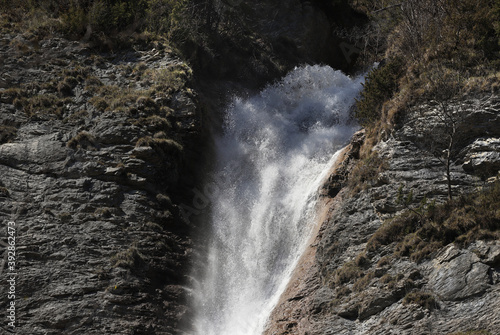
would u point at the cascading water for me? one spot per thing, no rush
(273, 154)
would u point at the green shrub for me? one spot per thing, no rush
(424, 30)
(104, 19)
(75, 20)
(379, 87)
(417, 36)
(164, 14)
(102, 16)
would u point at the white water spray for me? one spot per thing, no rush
(275, 151)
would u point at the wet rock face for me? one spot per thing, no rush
(362, 291)
(302, 24)
(310, 26)
(266, 39)
(93, 179)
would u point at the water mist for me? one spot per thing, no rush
(271, 158)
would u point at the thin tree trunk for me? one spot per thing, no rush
(448, 177)
(448, 160)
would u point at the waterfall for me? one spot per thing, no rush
(271, 158)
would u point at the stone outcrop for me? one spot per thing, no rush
(459, 274)
(362, 291)
(101, 245)
(483, 157)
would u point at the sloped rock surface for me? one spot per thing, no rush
(461, 285)
(458, 275)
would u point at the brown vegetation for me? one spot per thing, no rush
(130, 258)
(7, 133)
(348, 272)
(83, 140)
(462, 221)
(426, 300)
(366, 172)
(363, 282)
(417, 38)
(162, 145)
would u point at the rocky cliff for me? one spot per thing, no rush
(407, 240)
(97, 149)
(355, 278)
(101, 145)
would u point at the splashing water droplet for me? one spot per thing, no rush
(272, 157)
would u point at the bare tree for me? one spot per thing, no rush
(444, 122)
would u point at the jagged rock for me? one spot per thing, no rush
(378, 302)
(97, 252)
(338, 177)
(35, 156)
(146, 154)
(462, 284)
(458, 275)
(488, 252)
(115, 133)
(483, 157)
